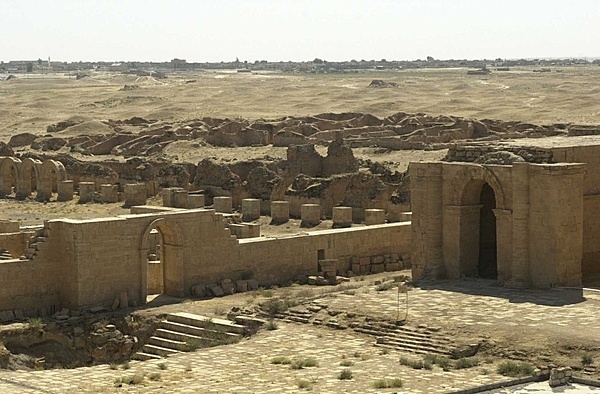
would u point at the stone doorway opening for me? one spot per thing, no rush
(155, 283)
(488, 247)
(162, 260)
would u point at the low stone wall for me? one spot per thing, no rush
(470, 153)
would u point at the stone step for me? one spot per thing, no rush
(412, 349)
(141, 356)
(197, 331)
(403, 336)
(203, 322)
(168, 343)
(417, 347)
(182, 337)
(158, 350)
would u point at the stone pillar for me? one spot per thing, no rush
(109, 193)
(65, 191)
(180, 198)
(223, 204)
(504, 241)
(520, 276)
(44, 190)
(310, 215)
(342, 217)
(135, 194)
(250, 209)
(280, 212)
(427, 233)
(195, 201)
(23, 189)
(374, 216)
(86, 192)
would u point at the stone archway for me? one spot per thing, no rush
(29, 177)
(51, 173)
(9, 175)
(476, 225)
(171, 241)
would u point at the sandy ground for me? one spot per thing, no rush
(30, 103)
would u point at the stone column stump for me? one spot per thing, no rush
(342, 217)
(374, 216)
(280, 212)
(250, 209)
(223, 204)
(65, 191)
(86, 192)
(310, 215)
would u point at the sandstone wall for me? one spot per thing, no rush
(590, 263)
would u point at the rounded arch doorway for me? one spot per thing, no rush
(162, 259)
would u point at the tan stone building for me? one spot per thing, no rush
(522, 223)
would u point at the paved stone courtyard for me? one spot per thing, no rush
(246, 367)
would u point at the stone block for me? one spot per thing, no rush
(312, 280)
(252, 284)
(135, 194)
(223, 204)
(342, 217)
(252, 230)
(241, 286)
(228, 286)
(180, 198)
(10, 226)
(198, 290)
(392, 267)
(215, 290)
(377, 259)
(365, 261)
(356, 268)
(7, 316)
(195, 201)
(86, 192)
(374, 217)
(310, 215)
(364, 270)
(250, 209)
(280, 212)
(377, 268)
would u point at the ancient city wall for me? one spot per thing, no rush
(85, 263)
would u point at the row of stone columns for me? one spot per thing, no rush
(135, 193)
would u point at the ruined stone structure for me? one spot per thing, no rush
(60, 265)
(521, 223)
(23, 177)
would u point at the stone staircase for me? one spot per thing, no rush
(419, 340)
(36, 243)
(184, 332)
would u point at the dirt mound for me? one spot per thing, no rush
(380, 83)
(23, 139)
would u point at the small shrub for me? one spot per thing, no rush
(125, 366)
(356, 354)
(416, 364)
(265, 293)
(463, 363)
(303, 363)
(162, 366)
(384, 351)
(387, 383)
(113, 366)
(346, 363)
(514, 369)
(304, 384)
(35, 323)
(137, 378)
(281, 360)
(155, 376)
(441, 361)
(219, 310)
(271, 325)
(345, 374)
(192, 344)
(385, 286)
(587, 359)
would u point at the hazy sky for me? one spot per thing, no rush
(215, 30)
